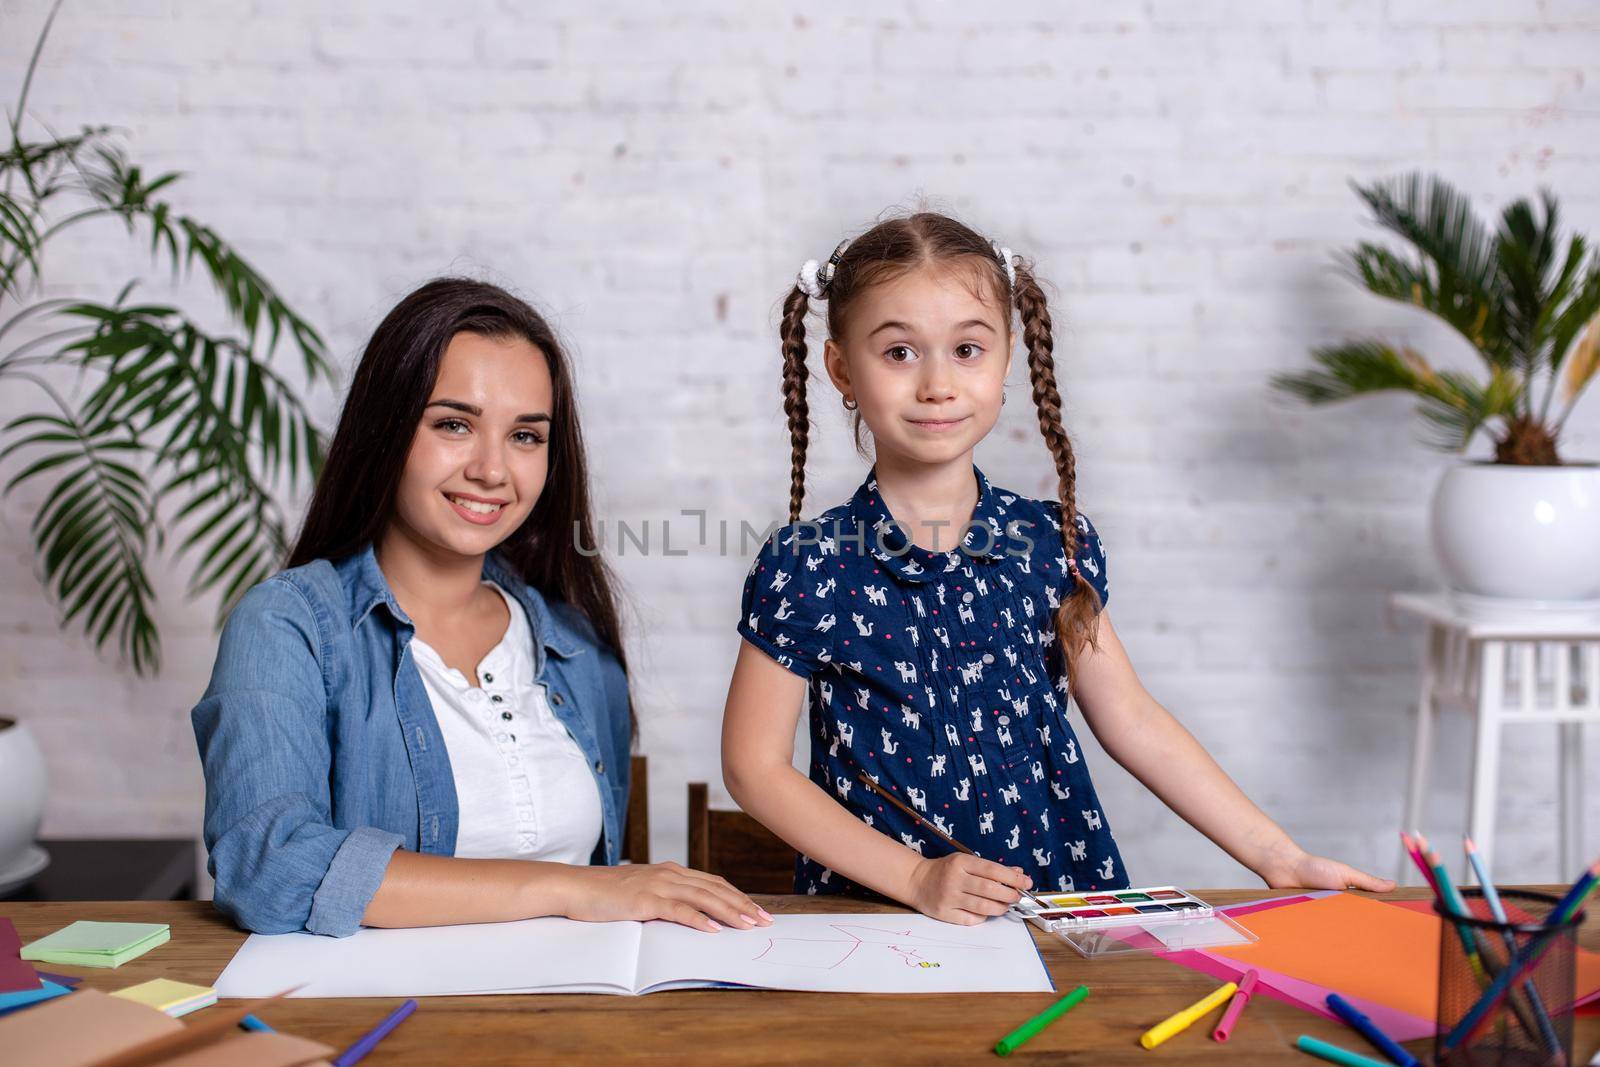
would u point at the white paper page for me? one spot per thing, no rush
(859, 953)
(545, 955)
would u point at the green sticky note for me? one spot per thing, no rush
(97, 944)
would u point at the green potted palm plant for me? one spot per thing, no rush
(1524, 525)
(146, 431)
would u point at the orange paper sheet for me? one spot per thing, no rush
(1361, 947)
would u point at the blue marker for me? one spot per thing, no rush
(1369, 1030)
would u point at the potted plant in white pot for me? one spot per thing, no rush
(1524, 526)
(147, 424)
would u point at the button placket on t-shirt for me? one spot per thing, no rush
(506, 723)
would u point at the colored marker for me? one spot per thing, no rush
(250, 1022)
(1369, 1030)
(1335, 1054)
(1185, 1018)
(360, 1049)
(1247, 986)
(1016, 1038)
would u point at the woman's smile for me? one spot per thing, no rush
(475, 509)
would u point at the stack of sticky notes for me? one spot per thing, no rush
(94, 944)
(174, 998)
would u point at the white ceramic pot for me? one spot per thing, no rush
(1520, 533)
(22, 789)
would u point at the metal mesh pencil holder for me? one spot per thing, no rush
(1505, 988)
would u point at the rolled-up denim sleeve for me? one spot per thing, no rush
(262, 730)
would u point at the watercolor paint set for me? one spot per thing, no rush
(1161, 918)
(1119, 907)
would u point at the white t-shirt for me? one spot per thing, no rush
(523, 785)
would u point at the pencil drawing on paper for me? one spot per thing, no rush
(828, 952)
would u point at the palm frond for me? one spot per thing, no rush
(19, 237)
(1458, 407)
(231, 524)
(1525, 250)
(1574, 315)
(124, 189)
(202, 417)
(216, 415)
(90, 534)
(164, 377)
(1455, 274)
(1355, 369)
(1581, 369)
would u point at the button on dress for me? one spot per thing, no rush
(938, 675)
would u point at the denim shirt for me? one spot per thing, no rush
(322, 754)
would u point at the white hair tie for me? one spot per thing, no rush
(809, 283)
(815, 278)
(1006, 262)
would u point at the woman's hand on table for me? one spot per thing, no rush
(669, 891)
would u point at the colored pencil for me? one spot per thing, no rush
(1484, 967)
(1454, 904)
(1574, 898)
(1526, 959)
(932, 829)
(1491, 896)
(1416, 857)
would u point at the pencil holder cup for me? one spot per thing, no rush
(1505, 988)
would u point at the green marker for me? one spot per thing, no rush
(1016, 1038)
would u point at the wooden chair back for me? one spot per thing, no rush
(735, 846)
(636, 827)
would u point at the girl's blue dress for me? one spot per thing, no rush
(938, 675)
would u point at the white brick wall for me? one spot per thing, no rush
(653, 176)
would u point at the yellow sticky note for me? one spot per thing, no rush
(174, 998)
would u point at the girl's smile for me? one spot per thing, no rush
(939, 425)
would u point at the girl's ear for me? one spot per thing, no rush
(838, 367)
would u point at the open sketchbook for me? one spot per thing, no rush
(860, 953)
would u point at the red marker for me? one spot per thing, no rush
(1247, 986)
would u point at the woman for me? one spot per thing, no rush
(425, 719)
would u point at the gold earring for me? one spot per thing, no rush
(850, 405)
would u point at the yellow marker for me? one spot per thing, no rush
(1181, 1021)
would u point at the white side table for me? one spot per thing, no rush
(1508, 668)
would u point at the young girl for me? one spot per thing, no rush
(425, 720)
(940, 623)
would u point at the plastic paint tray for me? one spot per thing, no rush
(1154, 919)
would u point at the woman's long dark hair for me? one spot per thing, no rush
(354, 498)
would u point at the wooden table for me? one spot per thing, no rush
(758, 1026)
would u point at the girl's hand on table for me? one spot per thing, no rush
(964, 889)
(1298, 869)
